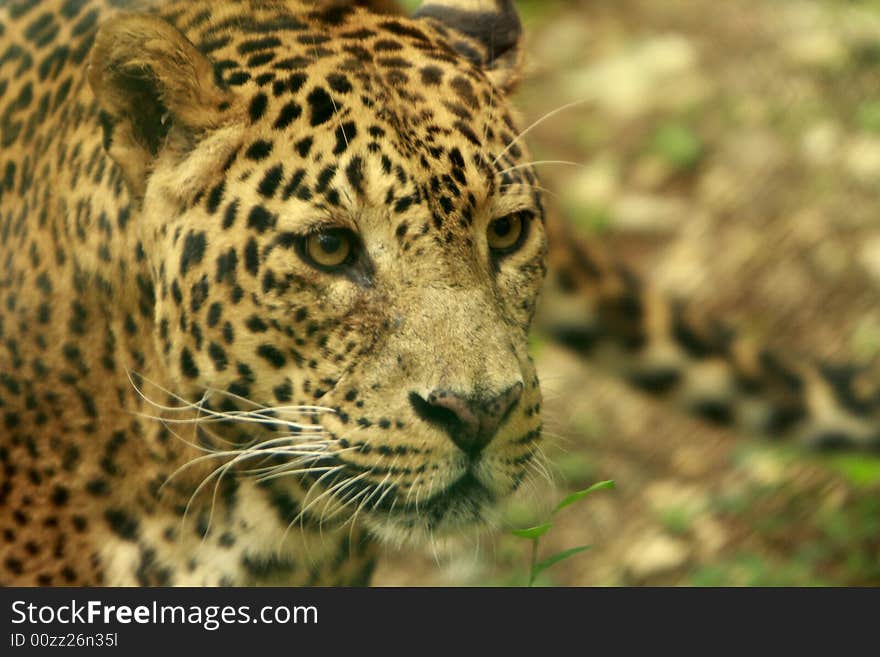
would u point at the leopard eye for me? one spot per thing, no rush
(329, 249)
(507, 233)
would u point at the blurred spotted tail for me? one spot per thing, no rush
(598, 308)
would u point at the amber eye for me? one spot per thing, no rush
(330, 248)
(506, 233)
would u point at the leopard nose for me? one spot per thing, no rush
(470, 421)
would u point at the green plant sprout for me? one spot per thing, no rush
(535, 533)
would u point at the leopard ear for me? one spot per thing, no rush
(155, 89)
(492, 34)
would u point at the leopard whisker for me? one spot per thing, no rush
(543, 190)
(337, 491)
(538, 122)
(216, 418)
(238, 455)
(306, 408)
(346, 503)
(301, 515)
(382, 483)
(527, 165)
(187, 405)
(306, 505)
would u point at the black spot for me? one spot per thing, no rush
(98, 487)
(655, 381)
(267, 187)
(260, 218)
(226, 264)
(283, 392)
(842, 380)
(86, 23)
(345, 133)
(324, 178)
(72, 7)
(432, 75)
(238, 78)
(582, 339)
(269, 567)
(385, 45)
(695, 344)
(715, 411)
(782, 418)
(322, 106)
(404, 30)
(832, 441)
(247, 47)
(218, 356)
(230, 213)
(193, 250)
(293, 184)
(260, 59)
(293, 63)
(122, 524)
(258, 107)
(395, 62)
(355, 173)
(272, 355)
(403, 204)
(259, 150)
(288, 114)
(291, 85)
(303, 146)
(228, 333)
(339, 83)
(333, 15)
(252, 257)
(214, 313)
(198, 294)
(215, 196)
(123, 217)
(256, 325)
(187, 364)
(13, 565)
(60, 495)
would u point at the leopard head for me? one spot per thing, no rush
(347, 244)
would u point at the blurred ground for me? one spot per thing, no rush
(731, 154)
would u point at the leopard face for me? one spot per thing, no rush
(347, 247)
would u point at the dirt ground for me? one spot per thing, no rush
(730, 153)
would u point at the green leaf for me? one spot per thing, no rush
(678, 144)
(533, 532)
(868, 116)
(860, 469)
(556, 558)
(581, 494)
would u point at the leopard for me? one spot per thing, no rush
(270, 271)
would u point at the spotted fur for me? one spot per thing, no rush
(188, 397)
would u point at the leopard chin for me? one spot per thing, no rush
(445, 522)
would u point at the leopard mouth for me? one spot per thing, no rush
(462, 508)
(401, 516)
(465, 496)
